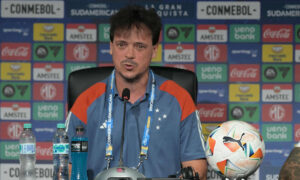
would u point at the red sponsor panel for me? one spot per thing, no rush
(297, 73)
(16, 51)
(81, 52)
(277, 112)
(44, 151)
(49, 66)
(81, 27)
(212, 53)
(244, 73)
(48, 91)
(277, 33)
(11, 130)
(211, 27)
(212, 112)
(297, 132)
(190, 67)
(255, 125)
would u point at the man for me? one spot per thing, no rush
(162, 128)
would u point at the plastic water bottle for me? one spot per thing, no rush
(79, 150)
(27, 154)
(60, 154)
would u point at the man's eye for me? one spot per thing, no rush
(140, 46)
(121, 45)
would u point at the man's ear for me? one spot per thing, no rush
(110, 48)
(155, 49)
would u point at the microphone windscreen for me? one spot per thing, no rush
(126, 94)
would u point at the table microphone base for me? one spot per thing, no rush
(119, 173)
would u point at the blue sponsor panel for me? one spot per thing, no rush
(296, 111)
(44, 131)
(244, 53)
(103, 53)
(14, 31)
(275, 156)
(167, 9)
(281, 11)
(212, 92)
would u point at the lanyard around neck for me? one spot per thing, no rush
(109, 122)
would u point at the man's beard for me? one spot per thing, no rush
(132, 79)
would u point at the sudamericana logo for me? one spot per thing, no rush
(81, 32)
(281, 132)
(212, 112)
(244, 92)
(179, 53)
(11, 130)
(48, 51)
(244, 112)
(244, 33)
(15, 111)
(277, 93)
(244, 73)
(211, 72)
(81, 52)
(9, 150)
(212, 33)
(277, 72)
(212, 53)
(277, 53)
(48, 31)
(16, 51)
(277, 33)
(15, 71)
(48, 72)
(15, 91)
(48, 91)
(277, 112)
(179, 33)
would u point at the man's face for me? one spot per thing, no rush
(132, 51)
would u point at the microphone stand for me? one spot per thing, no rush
(125, 97)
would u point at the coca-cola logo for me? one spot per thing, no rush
(283, 33)
(15, 52)
(247, 73)
(211, 113)
(44, 151)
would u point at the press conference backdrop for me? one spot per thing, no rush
(246, 55)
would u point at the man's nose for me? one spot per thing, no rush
(130, 52)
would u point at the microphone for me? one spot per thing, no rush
(121, 172)
(125, 98)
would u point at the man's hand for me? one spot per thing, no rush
(199, 166)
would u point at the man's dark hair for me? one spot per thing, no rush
(136, 16)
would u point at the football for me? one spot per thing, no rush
(235, 149)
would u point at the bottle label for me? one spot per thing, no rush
(79, 146)
(27, 148)
(61, 148)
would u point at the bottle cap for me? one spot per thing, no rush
(27, 126)
(61, 125)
